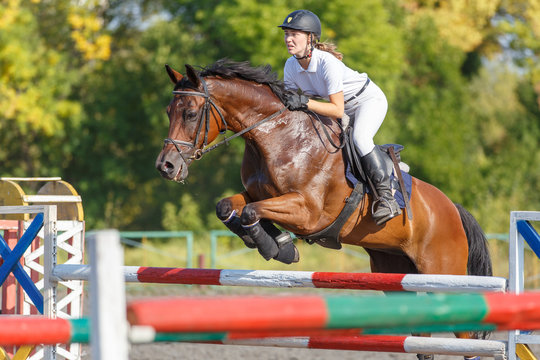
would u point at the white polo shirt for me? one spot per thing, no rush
(325, 75)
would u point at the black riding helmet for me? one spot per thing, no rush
(303, 20)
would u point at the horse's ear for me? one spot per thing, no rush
(192, 75)
(173, 74)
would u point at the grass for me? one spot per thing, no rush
(232, 254)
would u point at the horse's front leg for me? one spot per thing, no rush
(264, 235)
(257, 218)
(228, 210)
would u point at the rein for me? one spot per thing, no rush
(205, 117)
(328, 137)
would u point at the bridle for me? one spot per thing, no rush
(205, 118)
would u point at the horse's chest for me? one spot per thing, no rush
(264, 183)
(277, 173)
(260, 186)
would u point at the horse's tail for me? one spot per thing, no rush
(479, 261)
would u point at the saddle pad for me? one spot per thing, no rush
(407, 179)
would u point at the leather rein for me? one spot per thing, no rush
(205, 118)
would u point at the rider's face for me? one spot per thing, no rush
(296, 42)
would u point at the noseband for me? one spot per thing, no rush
(205, 117)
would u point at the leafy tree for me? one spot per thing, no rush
(508, 130)
(187, 217)
(83, 86)
(435, 128)
(125, 125)
(45, 48)
(489, 28)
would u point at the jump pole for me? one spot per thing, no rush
(24, 330)
(396, 344)
(293, 279)
(253, 313)
(32, 330)
(341, 341)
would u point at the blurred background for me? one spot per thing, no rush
(83, 93)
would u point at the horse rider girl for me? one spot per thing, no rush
(316, 69)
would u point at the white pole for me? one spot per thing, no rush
(109, 330)
(515, 273)
(50, 234)
(515, 256)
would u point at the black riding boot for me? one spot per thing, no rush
(378, 169)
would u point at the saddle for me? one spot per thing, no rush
(401, 183)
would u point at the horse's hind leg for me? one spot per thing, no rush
(445, 251)
(398, 264)
(390, 262)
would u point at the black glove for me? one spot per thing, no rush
(295, 101)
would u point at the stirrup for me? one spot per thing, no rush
(394, 211)
(388, 203)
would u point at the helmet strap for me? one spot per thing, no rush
(308, 55)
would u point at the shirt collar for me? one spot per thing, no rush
(313, 63)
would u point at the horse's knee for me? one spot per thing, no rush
(224, 209)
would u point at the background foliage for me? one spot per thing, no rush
(83, 94)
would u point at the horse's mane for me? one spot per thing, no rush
(229, 69)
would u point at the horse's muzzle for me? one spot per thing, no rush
(172, 166)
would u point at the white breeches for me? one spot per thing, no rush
(368, 112)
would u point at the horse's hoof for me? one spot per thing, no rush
(425, 356)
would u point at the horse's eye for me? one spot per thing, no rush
(190, 115)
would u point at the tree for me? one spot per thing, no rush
(83, 85)
(436, 129)
(505, 29)
(44, 49)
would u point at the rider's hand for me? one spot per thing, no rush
(296, 101)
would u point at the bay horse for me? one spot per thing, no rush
(294, 176)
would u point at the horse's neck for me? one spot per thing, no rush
(247, 105)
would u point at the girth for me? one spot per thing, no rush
(329, 237)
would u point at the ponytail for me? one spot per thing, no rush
(329, 47)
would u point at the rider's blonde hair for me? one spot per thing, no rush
(329, 47)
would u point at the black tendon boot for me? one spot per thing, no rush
(379, 170)
(267, 247)
(272, 243)
(288, 253)
(233, 223)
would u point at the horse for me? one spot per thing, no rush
(293, 172)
